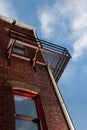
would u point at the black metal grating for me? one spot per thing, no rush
(57, 63)
(55, 48)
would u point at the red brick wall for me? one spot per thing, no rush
(20, 70)
(6, 102)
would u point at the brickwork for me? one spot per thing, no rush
(18, 72)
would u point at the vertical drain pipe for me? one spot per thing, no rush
(68, 119)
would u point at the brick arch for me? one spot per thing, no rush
(24, 86)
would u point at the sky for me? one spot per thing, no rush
(63, 22)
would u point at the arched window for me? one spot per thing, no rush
(28, 111)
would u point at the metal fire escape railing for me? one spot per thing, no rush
(38, 52)
(58, 60)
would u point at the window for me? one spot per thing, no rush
(19, 49)
(23, 50)
(28, 111)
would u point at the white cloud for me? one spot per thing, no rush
(79, 28)
(80, 46)
(7, 9)
(64, 15)
(47, 20)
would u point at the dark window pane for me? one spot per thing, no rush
(25, 125)
(25, 106)
(18, 48)
(19, 45)
(18, 51)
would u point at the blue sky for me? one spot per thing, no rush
(62, 22)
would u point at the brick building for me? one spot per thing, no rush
(29, 71)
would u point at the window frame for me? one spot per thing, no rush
(18, 49)
(41, 122)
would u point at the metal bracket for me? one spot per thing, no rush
(9, 49)
(35, 57)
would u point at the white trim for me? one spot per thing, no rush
(24, 89)
(20, 24)
(9, 20)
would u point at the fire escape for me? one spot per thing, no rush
(33, 49)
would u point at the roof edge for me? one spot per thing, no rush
(20, 24)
